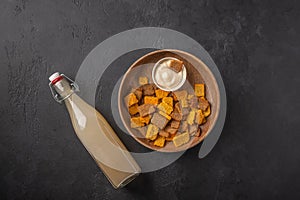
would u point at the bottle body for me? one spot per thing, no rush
(99, 138)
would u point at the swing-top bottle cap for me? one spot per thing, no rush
(54, 76)
(59, 89)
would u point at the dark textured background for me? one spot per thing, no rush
(256, 46)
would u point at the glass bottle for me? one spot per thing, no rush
(95, 133)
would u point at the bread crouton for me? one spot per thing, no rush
(145, 119)
(165, 108)
(207, 112)
(168, 100)
(133, 109)
(131, 99)
(161, 93)
(181, 139)
(150, 100)
(191, 117)
(136, 122)
(152, 132)
(160, 141)
(199, 117)
(199, 90)
(143, 80)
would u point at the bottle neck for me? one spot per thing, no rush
(63, 88)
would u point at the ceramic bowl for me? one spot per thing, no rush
(197, 72)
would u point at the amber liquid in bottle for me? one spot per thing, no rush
(98, 137)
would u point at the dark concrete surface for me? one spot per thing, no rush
(254, 43)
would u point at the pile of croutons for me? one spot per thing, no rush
(163, 116)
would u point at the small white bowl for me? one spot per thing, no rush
(181, 75)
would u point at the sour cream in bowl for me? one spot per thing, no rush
(166, 78)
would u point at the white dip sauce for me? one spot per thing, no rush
(166, 78)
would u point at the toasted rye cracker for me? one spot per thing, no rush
(163, 133)
(171, 130)
(184, 126)
(138, 93)
(159, 121)
(193, 129)
(146, 109)
(175, 124)
(198, 133)
(184, 103)
(170, 138)
(182, 94)
(176, 65)
(148, 89)
(203, 104)
(176, 115)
